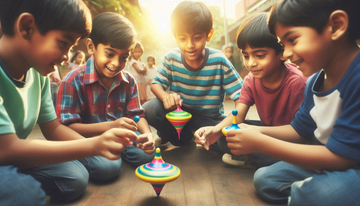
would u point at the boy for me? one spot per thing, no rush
(275, 87)
(34, 42)
(197, 74)
(321, 40)
(99, 96)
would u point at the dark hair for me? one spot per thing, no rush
(314, 14)
(255, 33)
(137, 45)
(64, 15)
(189, 16)
(114, 29)
(76, 54)
(151, 57)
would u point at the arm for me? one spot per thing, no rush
(206, 136)
(31, 153)
(170, 101)
(315, 157)
(138, 69)
(93, 129)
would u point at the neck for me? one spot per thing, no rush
(340, 62)
(12, 57)
(274, 80)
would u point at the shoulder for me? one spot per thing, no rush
(75, 74)
(294, 74)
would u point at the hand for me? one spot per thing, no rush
(124, 123)
(172, 101)
(206, 136)
(245, 140)
(111, 143)
(146, 143)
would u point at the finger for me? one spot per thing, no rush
(142, 138)
(124, 133)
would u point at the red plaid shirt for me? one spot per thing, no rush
(82, 98)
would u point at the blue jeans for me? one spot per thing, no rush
(17, 188)
(283, 182)
(155, 114)
(67, 181)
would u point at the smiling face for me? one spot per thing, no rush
(109, 61)
(192, 45)
(79, 59)
(305, 47)
(150, 62)
(50, 50)
(262, 62)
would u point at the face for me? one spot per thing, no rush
(136, 53)
(109, 61)
(150, 62)
(304, 47)
(262, 62)
(50, 50)
(79, 59)
(192, 45)
(228, 53)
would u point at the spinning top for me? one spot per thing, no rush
(233, 125)
(157, 172)
(178, 119)
(136, 119)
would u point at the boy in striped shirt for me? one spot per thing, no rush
(197, 77)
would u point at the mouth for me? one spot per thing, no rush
(191, 53)
(110, 69)
(298, 62)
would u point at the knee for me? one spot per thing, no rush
(106, 170)
(74, 186)
(140, 158)
(260, 179)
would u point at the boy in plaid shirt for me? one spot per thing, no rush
(99, 96)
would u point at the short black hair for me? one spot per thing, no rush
(114, 29)
(314, 14)
(255, 33)
(189, 16)
(64, 15)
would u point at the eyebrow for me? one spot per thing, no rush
(286, 35)
(256, 51)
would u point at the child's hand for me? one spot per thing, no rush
(112, 142)
(125, 123)
(146, 143)
(244, 141)
(172, 101)
(206, 136)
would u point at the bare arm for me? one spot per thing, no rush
(138, 70)
(170, 101)
(32, 153)
(315, 157)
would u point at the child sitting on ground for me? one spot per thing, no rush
(275, 87)
(99, 96)
(31, 169)
(198, 74)
(322, 42)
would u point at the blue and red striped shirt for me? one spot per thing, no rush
(82, 98)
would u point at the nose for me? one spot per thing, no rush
(287, 53)
(251, 62)
(190, 44)
(115, 62)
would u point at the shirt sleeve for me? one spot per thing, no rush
(247, 92)
(47, 111)
(232, 82)
(163, 76)
(68, 107)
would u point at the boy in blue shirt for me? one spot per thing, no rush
(196, 76)
(99, 96)
(34, 42)
(322, 42)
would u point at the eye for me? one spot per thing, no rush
(63, 44)
(292, 40)
(260, 56)
(124, 58)
(108, 54)
(246, 56)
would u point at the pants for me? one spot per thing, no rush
(283, 182)
(155, 114)
(64, 181)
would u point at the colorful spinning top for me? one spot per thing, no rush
(178, 119)
(233, 126)
(157, 172)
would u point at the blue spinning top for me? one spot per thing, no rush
(233, 126)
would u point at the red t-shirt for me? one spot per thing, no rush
(275, 106)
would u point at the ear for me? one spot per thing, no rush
(211, 33)
(25, 25)
(339, 22)
(90, 46)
